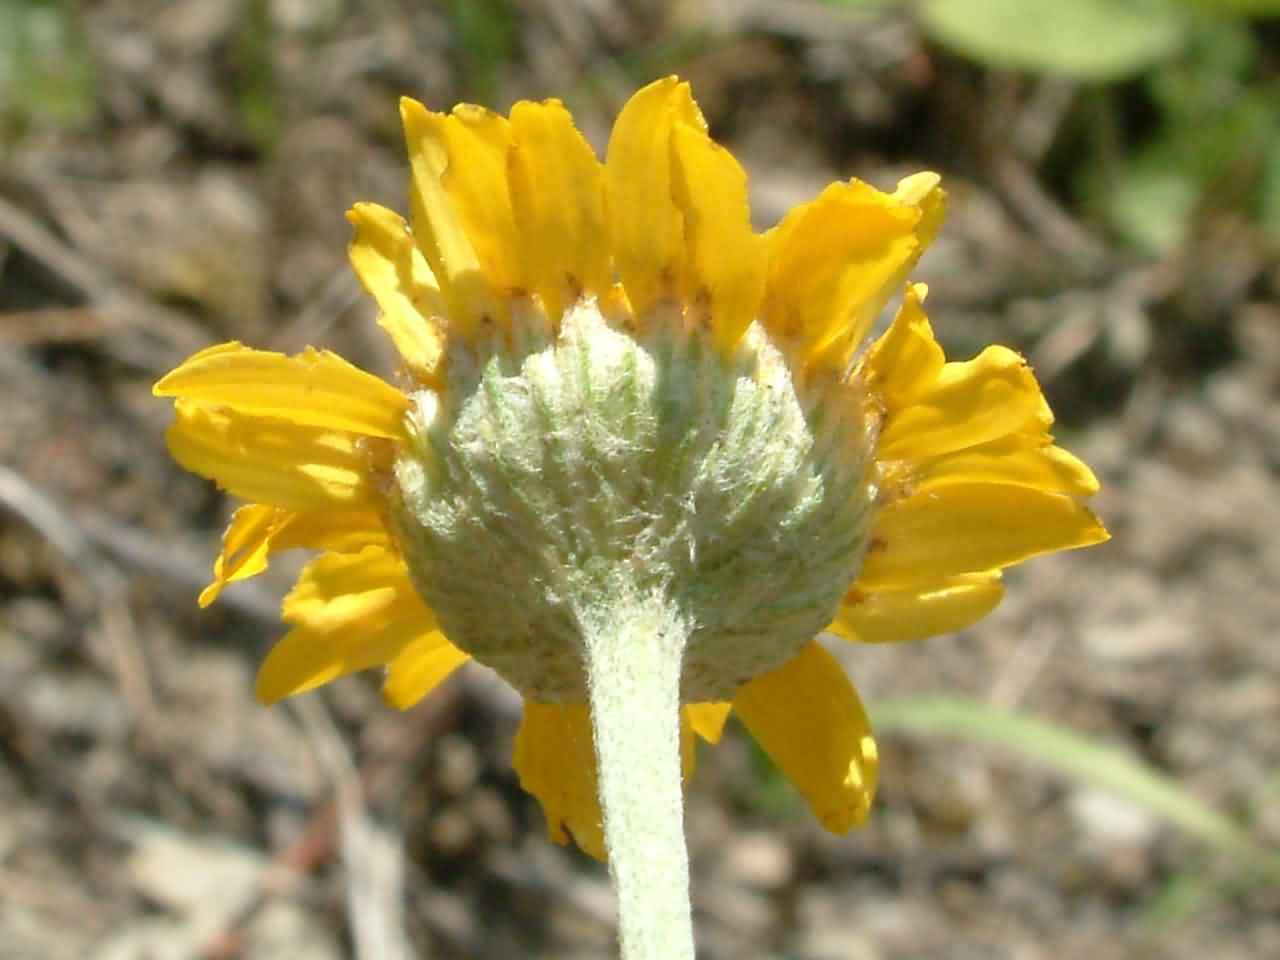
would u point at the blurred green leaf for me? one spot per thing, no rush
(1085, 39)
(1215, 66)
(1151, 206)
(1215, 121)
(1076, 757)
(255, 84)
(1238, 8)
(485, 31)
(45, 72)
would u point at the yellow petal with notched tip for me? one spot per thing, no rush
(246, 544)
(352, 612)
(917, 612)
(315, 388)
(557, 199)
(833, 264)
(807, 717)
(256, 531)
(555, 759)
(906, 360)
(419, 668)
(725, 258)
(273, 462)
(646, 229)
(969, 527)
(708, 719)
(924, 191)
(970, 403)
(397, 276)
(1019, 458)
(438, 229)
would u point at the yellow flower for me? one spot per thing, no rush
(613, 386)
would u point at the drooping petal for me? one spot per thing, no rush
(971, 402)
(272, 461)
(256, 531)
(834, 263)
(352, 612)
(808, 718)
(419, 668)
(725, 258)
(970, 527)
(897, 615)
(1019, 458)
(439, 230)
(315, 388)
(708, 719)
(555, 759)
(557, 199)
(245, 545)
(397, 276)
(646, 228)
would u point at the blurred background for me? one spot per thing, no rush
(1092, 771)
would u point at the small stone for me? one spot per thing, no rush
(760, 860)
(1110, 820)
(188, 874)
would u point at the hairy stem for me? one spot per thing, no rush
(633, 675)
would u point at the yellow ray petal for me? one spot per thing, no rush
(347, 531)
(315, 388)
(646, 228)
(1023, 459)
(924, 191)
(478, 142)
(397, 276)
(419, 668)
(353, 612)
(256, 531)
(708, 719)
(725, 258)
(833, 264)
(555, 758)
(438, 229)
(970, 403)
(557, 198)
(970, 527)
(807, 717)
(914, 613)
(272, 461)
(246, 544)
(906, 360)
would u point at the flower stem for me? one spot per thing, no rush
(633, 674)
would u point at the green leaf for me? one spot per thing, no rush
(1151, 206)
(1078, 758)
(46, 76)
(1085, 39)
(1239, 8)
(485, 32)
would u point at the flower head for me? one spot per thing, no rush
(614, 390)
